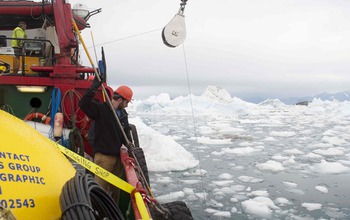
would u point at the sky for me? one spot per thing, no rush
(270, 48)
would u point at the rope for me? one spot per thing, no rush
(194, 123)
(131, 36)
(7, 108)
(76, 142)
(71, 117)
(83, 198)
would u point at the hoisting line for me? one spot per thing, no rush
(194, 121)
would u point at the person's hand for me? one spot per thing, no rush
(96, 84)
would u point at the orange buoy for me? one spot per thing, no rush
(39, 115)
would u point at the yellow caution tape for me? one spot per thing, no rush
(97, 170)
(109, 177)
(141, 206)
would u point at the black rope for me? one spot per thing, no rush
(82, 198)
(76, 142)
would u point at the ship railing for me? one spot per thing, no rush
(43, 49)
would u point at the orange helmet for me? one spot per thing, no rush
(125, 92)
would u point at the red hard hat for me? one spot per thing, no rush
(125, 92)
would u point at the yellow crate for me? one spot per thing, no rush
(28, 62)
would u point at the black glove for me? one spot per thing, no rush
(96, 84)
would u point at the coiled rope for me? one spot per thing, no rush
(82, 198)
(76, 142)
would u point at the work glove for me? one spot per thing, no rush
(96, 84)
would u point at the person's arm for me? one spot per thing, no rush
(86, 103)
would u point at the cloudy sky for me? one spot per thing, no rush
(266, 48)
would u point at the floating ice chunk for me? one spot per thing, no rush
(259, 206)
(290, 184)
(225, 191)
(197, 172)
(270, 165)
(164, 180)
(270, 139)
(211, 210)
(279, 157)
(225, 214)
(215, 204)
(240, 197)
(320, 145)
(190, 181)
(263, 193)
(334, 140)
(238, 188)
(322, 189)
(162, 152)
(202, 195)
(234, 209)
(289, 161)
(249, 179)
(293, 151)
(283, 133)
(170, 196)
(330, 167)
(206, 140)
(216, 153)
(344, 162)
(234, 200)
(226, 176)
(336, 151)
(312, 156)
(231, 131)
(240, 151)
(223, 182)
(335, 213)
(311, 206)
(188, 191)
(218, 213)
(296, 191)
(206, 130)
(282, 201)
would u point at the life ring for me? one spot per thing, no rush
(44, 118)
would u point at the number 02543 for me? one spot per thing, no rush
(17, 203)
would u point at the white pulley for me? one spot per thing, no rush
(174, 33)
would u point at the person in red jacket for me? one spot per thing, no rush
(108, 135)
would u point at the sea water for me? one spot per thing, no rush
(275, 164)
